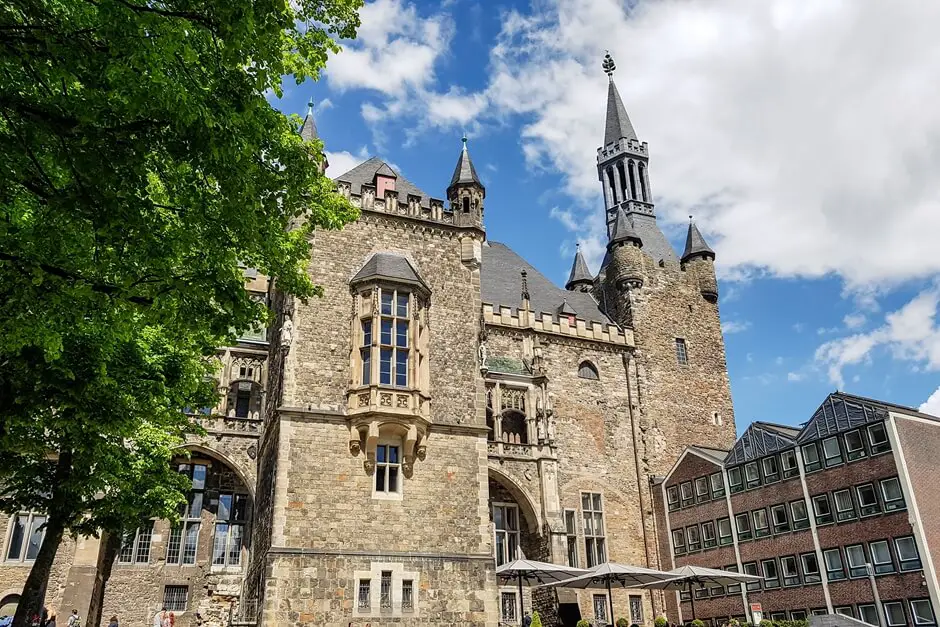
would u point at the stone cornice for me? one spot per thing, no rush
(379, 554)
(338, 417)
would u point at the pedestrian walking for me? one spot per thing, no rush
(114, 622)
(75, 620)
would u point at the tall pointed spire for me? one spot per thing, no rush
(624, 231)
(464, 172)
(580, 276)
(308, 130)
(618, 122)
(695, 245)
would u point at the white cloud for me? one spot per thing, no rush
(794, 377)
(932, 404)
(798, 327)
(793, 130)
(911, 333)
(344, 161)
(735, 326)
(854, 320)
(779, 360)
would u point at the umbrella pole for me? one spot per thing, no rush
(610, 601)
(521, 607)
(692, 599)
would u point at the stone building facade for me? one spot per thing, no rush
(444, 408)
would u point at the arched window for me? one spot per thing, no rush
(8, 604)
(632, 168)
(514, 427)
(611, 187)
(623, 181)
(587, 370)
(642, 175)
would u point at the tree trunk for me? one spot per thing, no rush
(35, 586)
(108, 549)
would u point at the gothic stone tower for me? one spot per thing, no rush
(670, 303)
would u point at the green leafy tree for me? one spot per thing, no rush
(660, 621)
(583, 623)
(536, 620)
(142, 168)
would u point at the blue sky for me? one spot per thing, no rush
(804, 137)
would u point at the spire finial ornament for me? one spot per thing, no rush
(310, 107)
(525, 286)
(609, 65)
(690, 220)
(464, 139)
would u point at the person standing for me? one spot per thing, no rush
(114, 622)
(74, 620)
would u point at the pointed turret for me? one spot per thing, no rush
(580, 279)
(623, 232)
(695, 245)
(309, 133)
(466, 191)
(618, 122)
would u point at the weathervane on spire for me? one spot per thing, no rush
(609, 65)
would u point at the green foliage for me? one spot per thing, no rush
(623, 622)
(142, 165)
(536, 620)
(785, 623)
(660, 621)
(766, 623)
(734, 622)
(697, 623)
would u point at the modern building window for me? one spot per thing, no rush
(868, 614)
(821, 509)
(672, 497)
(771, 469)
(922, 612)
(175, 598)
(365, 595)
(778, 616)
(743, 522)
(750, 568)
(725, 536)
(135, 546)
(708, 535)
(790, 467)
(894, 612)
(718, 485)
(855, 556)
(694, 536)
(184, 537)
(506, 521)
(878, 439)
(810, 568)
(771, 576)
(733, 588)
(761, 526)
(811, 459)
(834, 568)
(778, 514)
(700, 593)
(678, 541)
(571, 536)
(881, 557)
(682, 354)
(600, 609)
(791, 573)
(845, 610)
(385, 590)
(735, 481)
(845, 507)
(867, 500)
(798, 514)
(507, 607)
(752, 475)
(407, 595)
(387, 469)
(701, 489)
(854, 445)
(595, 547)
(685, 489)
(891, 492)
(908, 556)
(231, 518)
(832, 451)
(587, 370)
(796, 615)
(25, 538)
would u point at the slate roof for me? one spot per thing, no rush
(364, 174)
(655, 243)
(842, 412)
(464, 172)
(389, 266)
(716, 455)
(502, 286)
(758, 440)
(695, 244)
(618, 122)
(623, 230)
(580, 273)
(308, 130)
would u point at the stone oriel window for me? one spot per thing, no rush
(587, 370)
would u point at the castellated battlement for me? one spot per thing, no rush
(430, 209)
(546, 323)
(622, 146)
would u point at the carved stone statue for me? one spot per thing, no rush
(287, 334)
(551, 427)
(354, 447)
(541, 429)
(537, 356)
(483, 355)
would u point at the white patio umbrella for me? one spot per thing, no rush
(532, 573)
(685, 577)
(608, 573)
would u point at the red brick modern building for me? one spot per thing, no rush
(807, 509)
